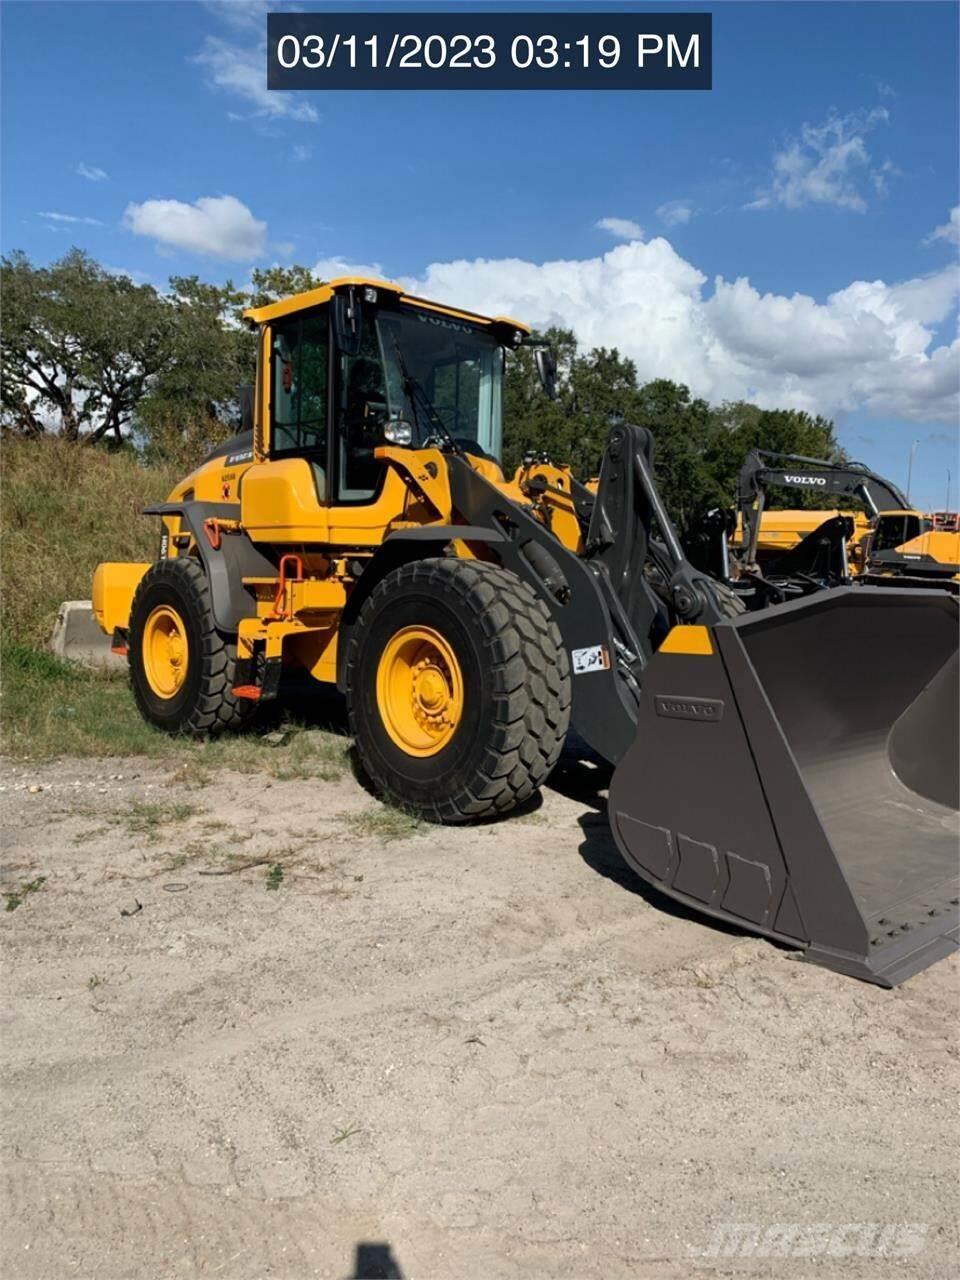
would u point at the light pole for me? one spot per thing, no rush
(913, 450)
(946, 505)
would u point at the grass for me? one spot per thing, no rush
(66, 508)
(140, 818)
(342, 1135)
(53, 709)
(275, 876)
(148, 820)
(17, 897)
(85, 837)
(386, 823)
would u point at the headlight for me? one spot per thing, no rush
(399, 432)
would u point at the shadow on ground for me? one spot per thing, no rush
(306, 702)
(583, 776)
(580, 775)
(374, 1260)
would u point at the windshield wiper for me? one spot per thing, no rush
(413, 389)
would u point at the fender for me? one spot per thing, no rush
(400, 547)
(225, 566)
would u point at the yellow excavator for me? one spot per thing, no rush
(781, 554)
(905, 549)
(791, 770)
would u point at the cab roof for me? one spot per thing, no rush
(504, 327)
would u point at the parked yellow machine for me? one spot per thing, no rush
(793, 552)
(783, 528)
(904, 549)
(772, 769)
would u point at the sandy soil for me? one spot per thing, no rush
(487, 1050)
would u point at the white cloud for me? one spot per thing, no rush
(867, 346)
(331, 268)
(242, 14)
(301, 152)
(91, 172)
(622, 228)
(222, 226)
(137, 277)
(243, 71)
(675, 213)
(949, 231)
(71, 218)
(827, 164)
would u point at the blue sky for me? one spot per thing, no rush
(817, 180)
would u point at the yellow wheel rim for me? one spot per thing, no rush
(165, 651)
(419, 691)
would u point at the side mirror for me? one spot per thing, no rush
(245, 396)
(547, 369)
(347, 322)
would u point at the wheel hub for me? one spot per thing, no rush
(419, 690)
(165, 651)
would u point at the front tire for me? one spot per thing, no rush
(458, 689)
(181, 666)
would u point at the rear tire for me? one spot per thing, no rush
(181, 667)
(494, 664)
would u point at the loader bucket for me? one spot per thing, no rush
(795, 773)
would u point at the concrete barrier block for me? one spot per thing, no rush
(77, 637)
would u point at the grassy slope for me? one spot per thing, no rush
(65, 508)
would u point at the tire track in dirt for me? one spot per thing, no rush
(484, 1050)
(673, 950)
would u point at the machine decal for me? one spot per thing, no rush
(593, 658)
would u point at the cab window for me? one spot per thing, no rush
(361, 417)
(298, 397)
(457, 367)
(894, 530)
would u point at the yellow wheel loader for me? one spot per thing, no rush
(791, 770)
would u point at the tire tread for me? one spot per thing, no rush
(216, 709)
(531, 675)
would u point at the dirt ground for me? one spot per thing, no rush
(480, 1053)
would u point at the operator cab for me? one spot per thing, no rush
(894, 528)
(359, 364)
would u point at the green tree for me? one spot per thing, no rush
(193, 402)
(91, 355)
(80, 347)
(270, 284)
(681, 426)
(531, 421)
(740, 427)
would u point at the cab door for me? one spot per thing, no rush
(365, 494)
(286, 498)
(325, 405)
